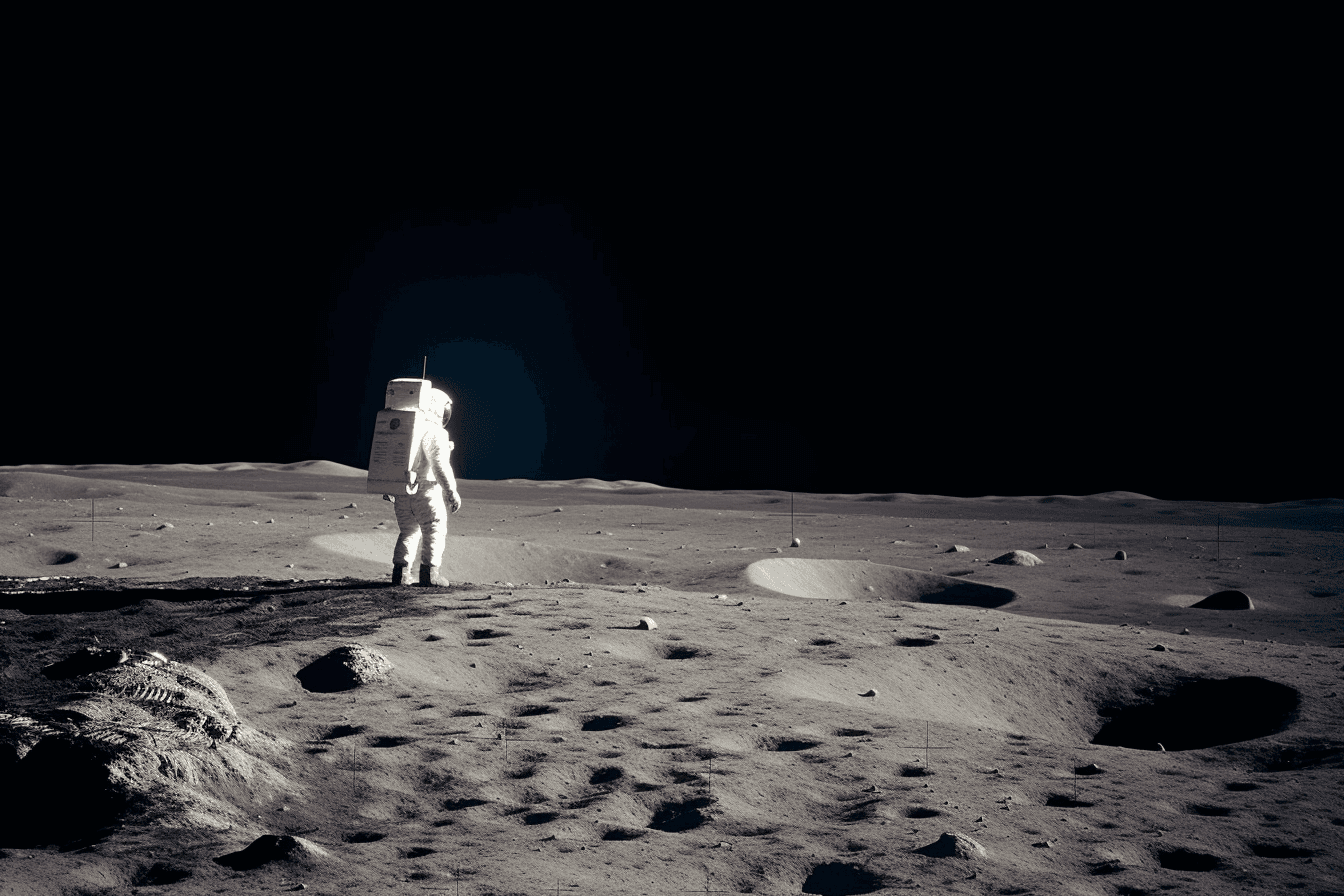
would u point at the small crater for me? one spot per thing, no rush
(1202, 713)
(386, 740)
(343, 731)
(623, 834)
(159, 874)
(459, 805)
(1064, 801)
(418, 852)
(1241, 786)
(921, 812)
(852, 732)
(915, 642)
(822, 642)
(691, 699)
(678, 816)
(605, 775)
(363, 837)
(1188, 860)
(1208, 811)
(603, 723)
(1280, 851)
(482, 634)
(793, 746)
(540, 817)
(481, 615)
(534, 710)
(680, 652)
(915, 771)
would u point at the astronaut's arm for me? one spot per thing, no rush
(443, 470)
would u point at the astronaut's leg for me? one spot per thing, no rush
(432, 514)
(408, 541)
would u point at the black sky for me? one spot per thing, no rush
(1007, 329)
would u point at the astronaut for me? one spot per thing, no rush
(423, 516)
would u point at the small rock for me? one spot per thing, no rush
(1185, 631)
(1161, 748)
(957, 549)
(271, 520)
(869, 693)
(1120, 555)
(935, 637)
(344, 516)
(1075, 547)
(121, 565)
(558, 510)
(1089, 769)
(1159, 647)
(352, 504)
(646, 623)
(167, 526)
(797, 543)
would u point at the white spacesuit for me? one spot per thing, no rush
(423, 516)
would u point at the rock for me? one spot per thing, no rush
(869, 693)
(271, 520)
(646, 623)
(343, 669)
(166, 526)
(343, 517)
(953, 846)
(121, 565)
(957, 549)
(352, 504)
(85, 662)
(268, 848)
(1226, 600)
(1185, 631)
(797, 543)
(1018, 558)
(1089, 769)
(1159, 647)
(1075, 547)
(1120, 555)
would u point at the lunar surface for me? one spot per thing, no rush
(208, 685)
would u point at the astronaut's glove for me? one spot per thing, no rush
(454, 502)
(389, 498)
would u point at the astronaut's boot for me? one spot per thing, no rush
(397, 572)
(429, 575)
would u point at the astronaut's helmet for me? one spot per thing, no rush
(440, 403)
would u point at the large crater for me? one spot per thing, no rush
(858, 579)
(1201, 713)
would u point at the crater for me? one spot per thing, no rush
(385, 741)
(58, 558)
(603, 723)
(482, 634)
(1188, 860)
(343, 731)
(853, 579)
(1064, 801)
(793, 746)
(1241, 786)
(677, 816)
(1201, 713)
(679, 652)
(605, 775)
(921, 812)
(1280, 851)
(363, 837)
(841, 879)
(852, 732)
(915, 642)
(623, 834)
(535, 710)
(419, 852)
(1208, 811)
(459, 805)
(540, 817)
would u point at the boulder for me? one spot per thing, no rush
(950, 846)
(1018, 558)
(1226, 600)
(345, 668)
